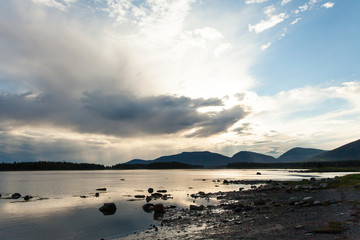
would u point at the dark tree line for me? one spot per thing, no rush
(38, 166)
(156, 165)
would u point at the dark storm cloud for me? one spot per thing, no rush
(121, 114)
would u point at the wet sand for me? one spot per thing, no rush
(269, 211)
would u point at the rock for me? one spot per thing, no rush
(16, 196)
(97, 194)
(308, 200)
(162, 191)
(28, 197)
(317, 203)
(259, 201)
(299, 226)
(196, 208)
(324, 185)
(159, 208)
(240, 189)
(139, 196)
(158, 216)
(258, 173)
(101, 189)
(83, 196)
(148, 199)
(156, 195)
(108, 208)
(148, 207)
(293, 200)
(312, 179)
(150, 190)
(225, 181)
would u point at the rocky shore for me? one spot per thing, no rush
(310, 209)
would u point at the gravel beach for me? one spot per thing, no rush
(310, 209)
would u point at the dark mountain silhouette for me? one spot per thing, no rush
(350, 151)
(299, 154)
(138, 161)
(245, 156)
(206, 159)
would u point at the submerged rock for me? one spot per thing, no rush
(101, 189)
(156, 195)
(27, 197)
(139, 196)
(162, 191)
(108, 208)
(148, 207)
(16, 196)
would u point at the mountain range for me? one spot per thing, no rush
(350, 151)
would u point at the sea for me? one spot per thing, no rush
(64, 205)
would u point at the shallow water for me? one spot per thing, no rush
(62, 214)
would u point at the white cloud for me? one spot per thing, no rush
(50, 3)
(328, 5)
(295, 21)
(304, 117)
(284, 2)
(265, 46)
(269, 23)
(268, 11)
(304, 7)
(255, 1)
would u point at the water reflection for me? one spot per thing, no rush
(57, 210)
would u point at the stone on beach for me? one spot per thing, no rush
(150, 190)
(259, 201)
(308, 200)
(196, 208)
(293, 200)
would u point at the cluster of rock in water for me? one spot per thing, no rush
(16, 196)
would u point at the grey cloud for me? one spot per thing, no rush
(121, 114)
(219, 122)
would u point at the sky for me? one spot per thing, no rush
(107, 81)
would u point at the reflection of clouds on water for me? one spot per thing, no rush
(64, 206)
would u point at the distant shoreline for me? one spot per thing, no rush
(343, 166)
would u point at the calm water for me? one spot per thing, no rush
(62, 214)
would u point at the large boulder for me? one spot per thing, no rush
(108, 208)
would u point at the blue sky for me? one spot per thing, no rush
(109, 81)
